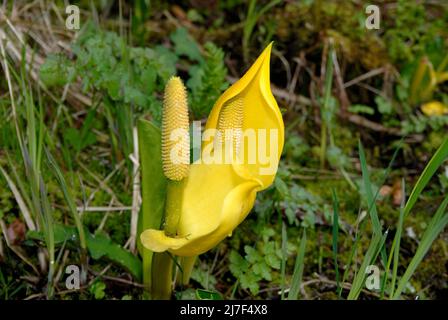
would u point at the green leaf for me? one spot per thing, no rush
(97, 289)
(262, 269)
(61, 234)
(153, 187)
(99, 246)
(281, 186)
(250, 281)
(207, 295)
(360, 108)
(252, 255)
(184, 44)
(203, 277)
(337, 158)
(384, 105)
(56, 71)
(148, 79)
(238, 266)
(188, 294)
(207, 80)
(166, 62)
(271, 255)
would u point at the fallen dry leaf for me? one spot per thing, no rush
(16, 232)
(397, 193)
(385, 191)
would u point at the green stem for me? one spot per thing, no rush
(323, 144)
(162, 276)
(147, 258)
(417, 81)
(187, 264)
(173, 207)
(325, 110)
(162, 263)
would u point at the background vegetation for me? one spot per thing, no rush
(359, 134)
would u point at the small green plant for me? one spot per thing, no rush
(257, 264)
(207, 80)
(97, 290)
(253, 15)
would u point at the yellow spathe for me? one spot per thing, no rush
(434, 108)
(217, 197)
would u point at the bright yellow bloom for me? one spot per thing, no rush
(434, 108)
(216, 197)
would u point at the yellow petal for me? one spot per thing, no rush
(237, 204)
(260, 112)
(215, 200)
(434, 108)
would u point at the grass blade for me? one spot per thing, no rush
(370, 256)
(298, 270)
(68, 198)
(335, 237)
(368, 188)
(436, 161)
(396, 251)
(377, 242)
(438, 158)
(20, 201)
(437, 224)
(284, 258)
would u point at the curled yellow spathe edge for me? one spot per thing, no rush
(434, 108)
(237, 205)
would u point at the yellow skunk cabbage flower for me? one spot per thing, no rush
(434, 108)
(218, 195)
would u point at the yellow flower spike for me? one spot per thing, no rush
(175, 125)
(175, 149)
(217, 196)
(434, 108)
